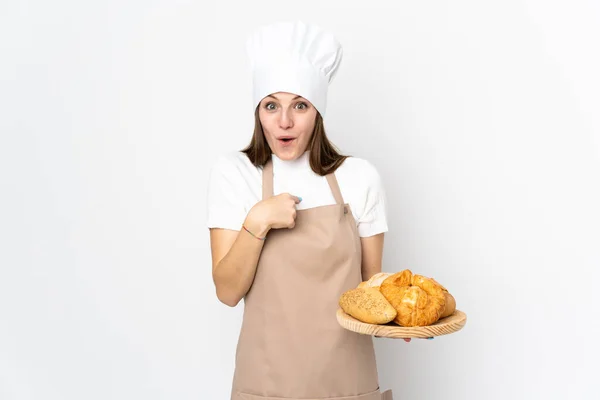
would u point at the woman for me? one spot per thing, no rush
(288, 238)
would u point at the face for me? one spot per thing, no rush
(288, 121)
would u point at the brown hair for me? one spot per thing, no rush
(324, 157)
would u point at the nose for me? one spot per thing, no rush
(285, 120)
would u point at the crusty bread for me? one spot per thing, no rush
(450, 301)
(367, 305)
(450, 306)
(375, 280)
(418, 300)
(402, 278)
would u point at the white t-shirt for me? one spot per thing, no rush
(235, 186)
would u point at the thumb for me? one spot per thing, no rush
(297, 199)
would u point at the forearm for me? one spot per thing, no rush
(234, 274)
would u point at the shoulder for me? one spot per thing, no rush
(234, 172)
(362, 186)
(234, 160)
(235, 166)
(356, 167)
(231, 190)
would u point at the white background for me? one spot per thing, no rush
(482, 118)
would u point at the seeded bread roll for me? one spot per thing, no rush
(367, 305)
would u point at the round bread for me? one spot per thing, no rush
(375, 280)
(367, 305)
(402, 278)
(450, 305)
(450, 301)
(418, 300)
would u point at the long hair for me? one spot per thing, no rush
(323, 155)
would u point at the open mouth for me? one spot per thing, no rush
(286, 139)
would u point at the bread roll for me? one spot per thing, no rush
(418, 300)
(402, 278)
(450, 301)
(450, 305)
(375, 280)
(367, 305)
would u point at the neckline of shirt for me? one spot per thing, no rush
(299, 163)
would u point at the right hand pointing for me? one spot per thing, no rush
(275, 212)
(282, 210)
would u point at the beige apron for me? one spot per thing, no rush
(291, 346)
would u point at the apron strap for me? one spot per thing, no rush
(267, 180)
(335, 188)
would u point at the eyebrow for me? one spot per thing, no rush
(297, 97)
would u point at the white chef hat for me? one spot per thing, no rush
(293, 57)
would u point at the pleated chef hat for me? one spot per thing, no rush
(293, 57)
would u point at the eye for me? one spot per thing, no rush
(270, 106)
(302, 106)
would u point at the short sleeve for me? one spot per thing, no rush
(225, 200)
(374, 218)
